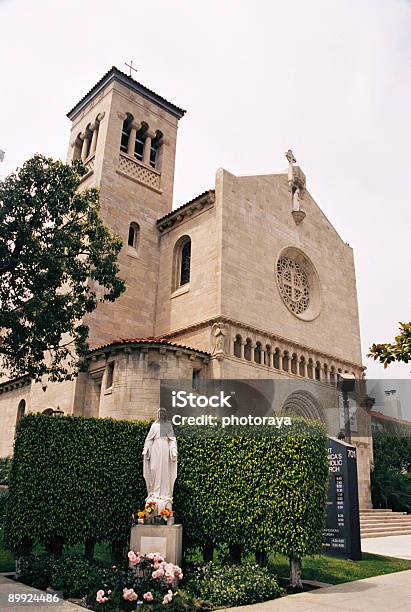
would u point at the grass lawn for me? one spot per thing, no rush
(335, 571)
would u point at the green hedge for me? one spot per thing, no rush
(264, 492)
(5, 466)
(76, 478)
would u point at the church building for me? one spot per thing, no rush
(248, 280)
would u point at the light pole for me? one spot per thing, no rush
(346, 384)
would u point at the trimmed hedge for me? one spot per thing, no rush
(261, 492)
(76, 479)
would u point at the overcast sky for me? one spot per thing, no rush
(328, 78)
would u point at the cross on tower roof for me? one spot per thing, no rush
(130, 65)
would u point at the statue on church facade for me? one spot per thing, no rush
(160, 462)
(296, 184)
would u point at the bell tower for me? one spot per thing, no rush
(126, 136)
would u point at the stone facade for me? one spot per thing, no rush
(269, 291)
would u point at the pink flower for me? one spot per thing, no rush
(168, 597)
(133, 558)
(148, 596)
(169, 579)
(150, 556)
(109, 592)
(99, 595)
(157, 558)
(158, 573)
(113, 567)
(156, 566)
(129, 594)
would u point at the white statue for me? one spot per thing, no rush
(160, 462)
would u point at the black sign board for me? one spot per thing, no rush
(342, 529)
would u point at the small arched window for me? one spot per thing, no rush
(154, 149)
(182, 262)
(237, 346)
(21, 410)
(125, 132)
(185, 263)
(133, 235)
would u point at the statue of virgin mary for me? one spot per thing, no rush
(160, 461)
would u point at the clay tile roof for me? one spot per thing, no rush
(384, 417)
(149, 340)
(116, 74)
(187, 204)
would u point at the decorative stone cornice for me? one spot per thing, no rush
(202, 202)
(15, 383)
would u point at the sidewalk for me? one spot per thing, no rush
(9, 587)
(391, 546)
(381, 593)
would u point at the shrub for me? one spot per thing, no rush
(390, 481)
(75, 479)
(268, 489)
(234, 585)
(4, 495)
(36, 570)
(76, 576)
(5, 467)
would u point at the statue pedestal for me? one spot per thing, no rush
(163, 539)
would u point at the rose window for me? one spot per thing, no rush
(293, 284)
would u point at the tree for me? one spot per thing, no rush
(57, 261)
(400, 350)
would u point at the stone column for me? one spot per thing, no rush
(132, 140)
(304, 368)
(94, 129)
(85, 148)
(147, 149)
(288, 362)
(252, 347)
(242, 349)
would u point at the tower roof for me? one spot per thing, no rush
(114, 74)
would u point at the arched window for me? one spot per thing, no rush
(125, 132)
(310, 368)
(110, 375)
(286, 359)
(185, 263)
(301, 366)
(140, 139)
(257, 352)
(154, 149)
(133, 235)
(318, 371)
(21, 409)
(294, 364)
(182, 262)
(78, 143)
(267, 355)
(276, 360)
(237, 346)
